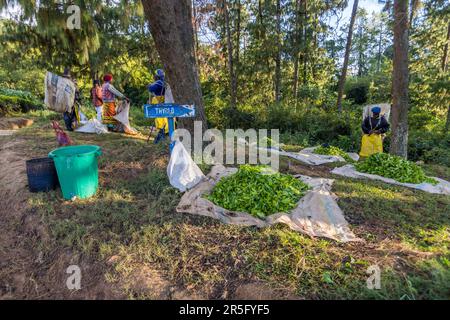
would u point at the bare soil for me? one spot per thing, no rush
(14, 123)
(31, 266)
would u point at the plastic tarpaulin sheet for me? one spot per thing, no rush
(93, 126)
(308, 156)
(182, 171)
(317, 214)
(443, 186)
(59, 93)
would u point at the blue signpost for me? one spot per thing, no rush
(169, 111)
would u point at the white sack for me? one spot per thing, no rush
(83, 118)
(59, 93)
(123, 111)
(93, 126)
(182, 171)
(168, 97)
(317, 214)
(443, 187)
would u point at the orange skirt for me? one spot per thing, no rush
(109, 111)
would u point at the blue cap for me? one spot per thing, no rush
(376, 109)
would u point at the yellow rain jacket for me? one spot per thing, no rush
(160, 123)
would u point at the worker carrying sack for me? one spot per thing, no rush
(370, 144)
(59, 93)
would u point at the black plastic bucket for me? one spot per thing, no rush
(41, 175)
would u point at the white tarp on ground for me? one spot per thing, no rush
(93, 126)
(182, 171)
(443, 187)
(317, 214)
(308, 156)
(59, 93)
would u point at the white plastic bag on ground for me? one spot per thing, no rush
(317, 214)
(183, 172)
(93, 126)
(443, 187)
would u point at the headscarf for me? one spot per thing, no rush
(160, 74)
(107, 77)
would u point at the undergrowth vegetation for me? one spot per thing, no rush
(132, 219)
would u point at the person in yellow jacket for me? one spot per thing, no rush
(158, 89)
(373, 127)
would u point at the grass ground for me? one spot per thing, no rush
(131, 229)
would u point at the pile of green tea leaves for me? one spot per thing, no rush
(258, 190)
(333, 151)
(394, 167)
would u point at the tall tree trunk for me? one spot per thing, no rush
(231, 68)
(305, 41)
(444, 69)
(315, 46)
(194, 24)
(297, 43)
(447, 123)
(399, 139)
(346, 57)
(260, 16)
(379, 48)
(171, 27)
(446, 47)
(278, 53)
(361, 52)
(237, 48)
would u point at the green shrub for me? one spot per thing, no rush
(9, 104)
(238, 118)
(358, 90)
(18, 101)
(432, 148)
(438, 155)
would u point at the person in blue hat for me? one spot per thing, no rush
(157, 91)
(158, 87)
(375, 124)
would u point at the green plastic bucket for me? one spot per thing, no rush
(77, 170)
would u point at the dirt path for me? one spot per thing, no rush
(31, 265)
